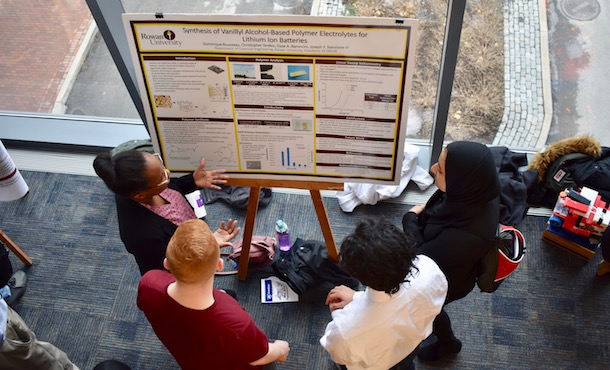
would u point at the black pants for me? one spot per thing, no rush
(406, 364)
(6, 268)
(442, 327)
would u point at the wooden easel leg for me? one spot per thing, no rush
(15, 249)
(325, 224)
(314, 189)
(242, 270)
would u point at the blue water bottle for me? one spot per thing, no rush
(283, 237)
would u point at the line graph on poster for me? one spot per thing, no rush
(342, 97)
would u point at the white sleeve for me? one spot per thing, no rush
(335, 345)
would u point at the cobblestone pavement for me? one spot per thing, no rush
(527, 112)
(527, 87)
(328, 7)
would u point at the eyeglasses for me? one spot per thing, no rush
(165, 175)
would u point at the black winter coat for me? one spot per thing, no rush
(593, 173)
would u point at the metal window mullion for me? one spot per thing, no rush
(451, 46)
(107, 15)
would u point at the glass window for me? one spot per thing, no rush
(44, 57)
(59, 65)
(432, 17)
(63, 68)
(42, 44)
(578, 57)
(109, 97)
(477, 99)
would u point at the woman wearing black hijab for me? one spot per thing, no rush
(456, 227)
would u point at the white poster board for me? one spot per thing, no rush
(276, 97)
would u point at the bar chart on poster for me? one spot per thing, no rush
(300, 157)
(305, 98)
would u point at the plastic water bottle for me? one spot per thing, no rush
(283, 237)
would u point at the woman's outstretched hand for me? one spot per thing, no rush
(226, 232)
(209, 179)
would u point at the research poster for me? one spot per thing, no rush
(276, 97)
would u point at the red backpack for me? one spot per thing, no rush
(501, 260)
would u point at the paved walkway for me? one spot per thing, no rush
(527, 81)
(528, 105)
(40, 40)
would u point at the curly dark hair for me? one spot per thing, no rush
(378, 254)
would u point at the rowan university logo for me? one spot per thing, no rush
(168, 38)
(170, 35)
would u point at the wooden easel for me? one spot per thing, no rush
(314, 189)
(15, 249)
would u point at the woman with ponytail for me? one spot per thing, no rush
(151, 205)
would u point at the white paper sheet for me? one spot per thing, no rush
(274, 290)
(196, 201)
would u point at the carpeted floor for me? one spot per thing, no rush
(552, 314)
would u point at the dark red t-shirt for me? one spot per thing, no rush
(223, 336)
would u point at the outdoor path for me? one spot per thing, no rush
(527, 95)
(40, 40)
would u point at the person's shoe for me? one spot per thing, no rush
(437, 350)
(603, 268)
(17, 284)
(111, 365)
